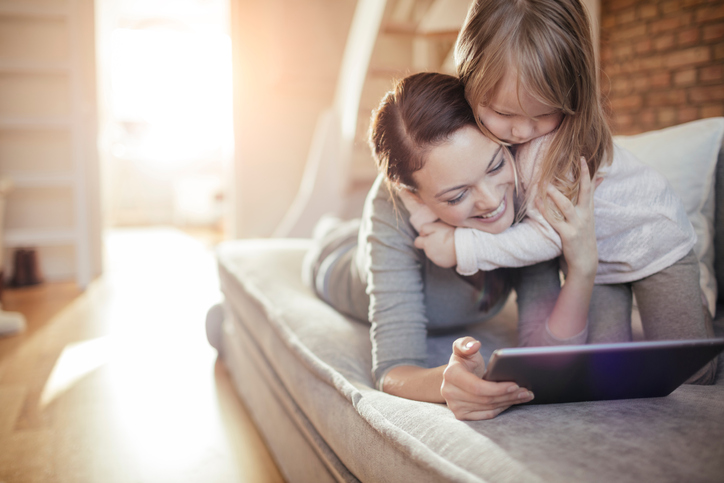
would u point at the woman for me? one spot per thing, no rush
(428, 146)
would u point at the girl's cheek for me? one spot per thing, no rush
(555, 123)
(498, 128)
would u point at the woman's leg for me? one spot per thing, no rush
(330, 268)
(672, 307)
(609, 316)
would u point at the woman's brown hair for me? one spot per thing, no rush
(549, 42)
(421, 111)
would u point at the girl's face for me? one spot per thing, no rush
(468, 182)
(515, 121)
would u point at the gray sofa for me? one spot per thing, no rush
(303, 372)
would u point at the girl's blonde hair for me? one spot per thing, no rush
(550, 44)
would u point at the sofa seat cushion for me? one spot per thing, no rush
(322, 360)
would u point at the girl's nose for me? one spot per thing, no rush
(523, 129)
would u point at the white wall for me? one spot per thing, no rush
(287, 55)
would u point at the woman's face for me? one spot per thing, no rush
(514, 120)
(468, 182)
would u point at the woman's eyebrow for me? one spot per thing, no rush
(492, 160)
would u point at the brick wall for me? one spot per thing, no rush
(662, 62)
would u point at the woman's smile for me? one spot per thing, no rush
(469, 181)
(492, 216)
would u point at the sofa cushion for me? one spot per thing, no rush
(319, 362)
(687, 156)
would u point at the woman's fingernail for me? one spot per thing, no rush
(513, 388)
(524, 394)
(469, 345)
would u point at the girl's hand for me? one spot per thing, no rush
(437, 239)
(470, 397)
(575, 225)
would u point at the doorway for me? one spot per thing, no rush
(165, 113)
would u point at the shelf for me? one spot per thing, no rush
(37, 237)
(63, 129)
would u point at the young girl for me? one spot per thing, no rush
(426, 143)
(530, 76)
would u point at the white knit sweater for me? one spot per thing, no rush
(641, 224)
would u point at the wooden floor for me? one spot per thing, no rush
(117, 383)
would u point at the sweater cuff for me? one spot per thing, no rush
(465, 251)
(578, 339)
(380, 379)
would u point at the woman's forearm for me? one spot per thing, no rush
(413, 382)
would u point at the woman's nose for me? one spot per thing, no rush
(486, 200)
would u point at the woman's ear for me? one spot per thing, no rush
(414, 194)
(407, 192)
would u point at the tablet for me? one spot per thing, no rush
(594, 372)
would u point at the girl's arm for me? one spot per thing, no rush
(531, 241)
(568, 320)
(575, 224)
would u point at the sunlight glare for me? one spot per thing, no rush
(160, 375)
(75, 362)
(178, 85)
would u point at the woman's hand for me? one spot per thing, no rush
(575, 225)
(437, 239)
(470, 397)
